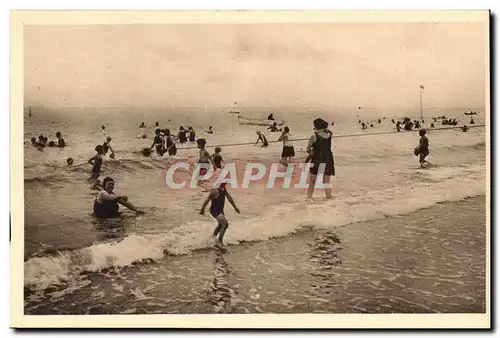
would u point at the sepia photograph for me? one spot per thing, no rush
(314, 163)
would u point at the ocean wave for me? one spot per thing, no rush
(443, 185)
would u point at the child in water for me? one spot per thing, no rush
(261, 138)
(205, 157)
(218, 197)
(217, 158)
(96, 162)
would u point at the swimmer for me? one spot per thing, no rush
(96, 162)
(107, 146)
(106, 203)
(60, 140)
(36, 144)
(423, 148)
(205, 157)
(261, 138)
(192, 134)
(217, 157)
(270, 117)
(274, 127)
(158, 143)
(217, 197)
(142, 125)
(69, 161)
(182, 135)
(170, 143)
(209, 131)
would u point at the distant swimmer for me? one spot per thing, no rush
(464, 128)
(36, 144)
(60, 141)
(217, 158)
(423, 148)
(273, 127)
(106, 203)
(158, 143)
(379, 121)
(192, 134)
(182, 135)
(42, 141)
(261, 138)
(69, 161)
(209, 131)
(106, 146)
(432, 125)
(270, 117)
(103, 127)
(320, 147)
(217, 197)
(398, 126)
(142, 125)
(96, 162)
(288, 151)
(170, 143)
(472, 121)
(157, 124)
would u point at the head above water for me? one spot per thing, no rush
(320, 124)
(69, 160)
(201, 142)
(100, 150)
(58, 134)
(108, 184)
(108, 138)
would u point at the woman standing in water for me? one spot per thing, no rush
(320, 149)
(288, 151)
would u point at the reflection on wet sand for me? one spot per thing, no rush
(220, 293)
(324, 256)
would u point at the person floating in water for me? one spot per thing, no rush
(217, 197)
(270, 117)
(96, 162)
(60, 141)
(273, 127)
(217, 158)
(158, 143)
(107, 204)
(261, 138)
(107, 146)
(423, 148)
(192, 134)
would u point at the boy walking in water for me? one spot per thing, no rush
(424, 148)
(96, 162)
(217, 158)
(218, 197)
(205, 157)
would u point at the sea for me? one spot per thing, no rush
(389, 226)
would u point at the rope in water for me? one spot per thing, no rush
(335, 136)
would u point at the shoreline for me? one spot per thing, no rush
(431, 260)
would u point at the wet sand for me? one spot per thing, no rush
(429, 261)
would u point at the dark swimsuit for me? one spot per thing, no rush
(322, 153)
(96, 169)
(192, 136)
(172, 149)
(218, 161)
(217, 206)
(106, 209)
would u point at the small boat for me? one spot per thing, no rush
(258, 122)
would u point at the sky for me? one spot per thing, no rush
(315, 65)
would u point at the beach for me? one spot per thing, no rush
(428, 261)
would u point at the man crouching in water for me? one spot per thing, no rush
(106, 203)
(218, 197)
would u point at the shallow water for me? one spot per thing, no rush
(376, 177)
(430, 261)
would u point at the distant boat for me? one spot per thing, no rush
(234, 111)
(471, 113)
